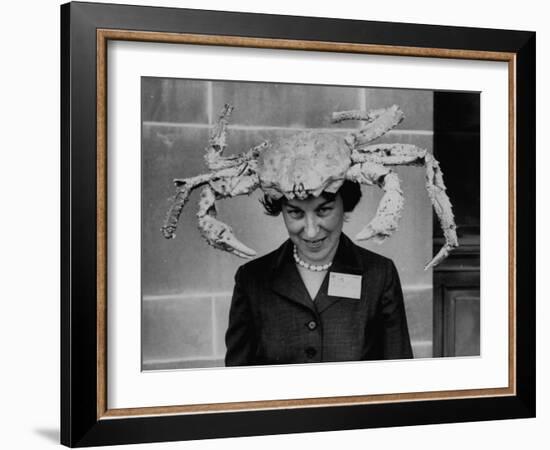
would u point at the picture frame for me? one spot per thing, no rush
(86, 418)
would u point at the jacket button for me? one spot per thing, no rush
(312, 325)
(310, 352)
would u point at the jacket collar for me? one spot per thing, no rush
(347, 257)
(286, 280)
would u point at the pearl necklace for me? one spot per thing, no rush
(308, 266)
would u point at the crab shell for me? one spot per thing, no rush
(304, 165)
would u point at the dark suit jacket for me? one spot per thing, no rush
(273, 320)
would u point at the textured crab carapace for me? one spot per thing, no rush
(305, 165)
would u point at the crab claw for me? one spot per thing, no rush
(376, 233)
(389, 209)
(218, 234)
(443, 208)
(441, 255)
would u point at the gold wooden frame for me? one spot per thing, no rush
(104, 35)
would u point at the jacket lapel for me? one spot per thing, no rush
(286, 280)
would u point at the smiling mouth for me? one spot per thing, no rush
(314, 242)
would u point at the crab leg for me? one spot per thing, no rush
(379, 122)
(443, 208)
(184, 186)
(389, 209)
(183, 189)
(407, 154)
(390, 154)
(218, 234)
(217, 142)
(358, 114)
(235, 160)
(230, 176)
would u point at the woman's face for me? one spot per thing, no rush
(314, 225)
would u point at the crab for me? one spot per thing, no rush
(306, 164)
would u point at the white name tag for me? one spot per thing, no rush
(344, 285)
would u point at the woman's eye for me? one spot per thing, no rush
(295, 214)
(324, 211)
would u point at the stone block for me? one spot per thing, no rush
(184, 364)
(221, 320)
(416, 104)
(284, 105)
(174, 100)
(176, 328)
(422, 349)
(419, 309)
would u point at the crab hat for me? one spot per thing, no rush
(306, 164)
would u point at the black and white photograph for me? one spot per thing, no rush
(220, 221)
(300, 223)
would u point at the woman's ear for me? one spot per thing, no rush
(347, 216)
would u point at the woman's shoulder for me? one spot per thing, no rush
(362, 256)
(265, 263)
(378, 268)
(373, 257)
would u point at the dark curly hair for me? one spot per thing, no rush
(350, 192)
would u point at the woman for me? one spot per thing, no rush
(318, 297)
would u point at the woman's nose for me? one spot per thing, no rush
(311, 227)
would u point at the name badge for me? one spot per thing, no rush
(344, 285)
